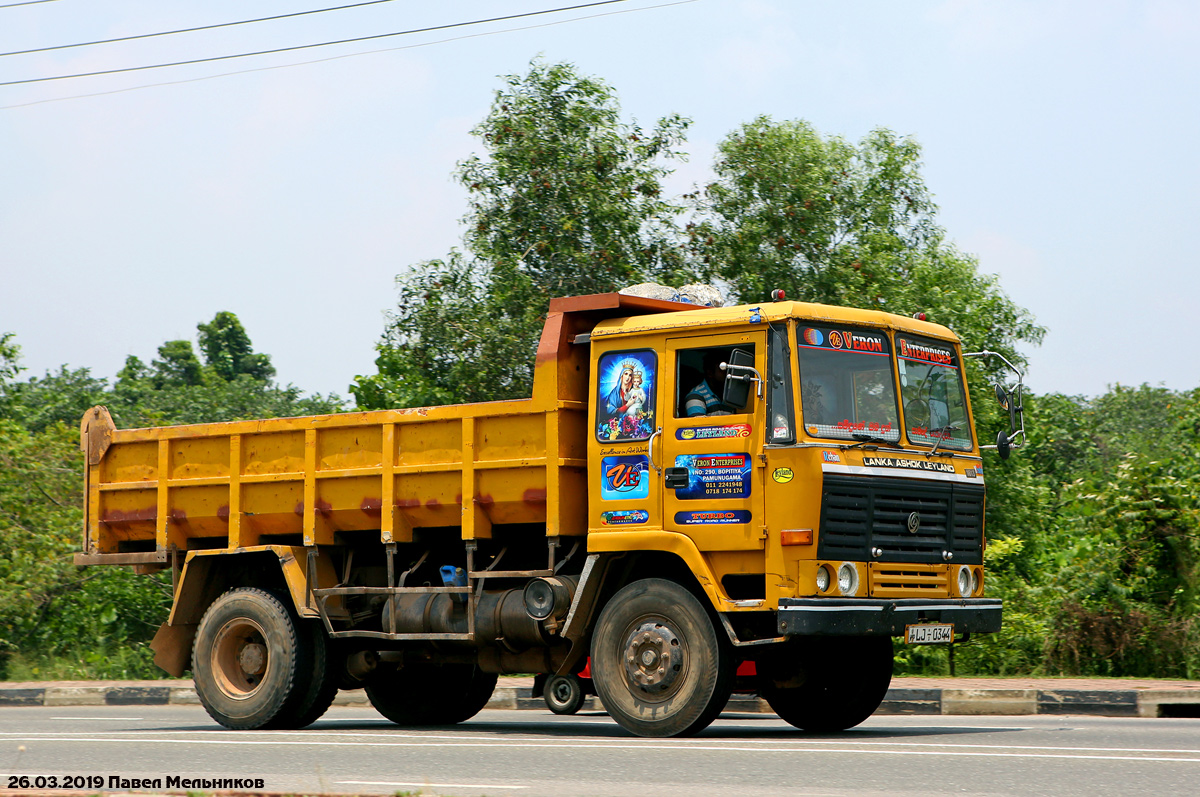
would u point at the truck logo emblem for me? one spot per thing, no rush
(914, 522)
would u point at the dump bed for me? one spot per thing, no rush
(302, 480)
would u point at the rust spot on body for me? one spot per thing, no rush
(223, 513)
(485, 499)
(299, 510)
(324, 508)
(178, 515)
(372, 507)
(433, 503)
(534, 495)
(115, 516)
(408, 503)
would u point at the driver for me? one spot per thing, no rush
(703, 399)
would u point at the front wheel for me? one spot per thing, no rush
(826, 684)
(658, 664)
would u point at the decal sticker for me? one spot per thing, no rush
(925, 353)
(844, 340)
(910, 464)
(625, 396)
(624, 478)
(830, 456)
(713, 432)
(779, 431)
(624, 517)
(715, 476)
(714, 518)
(783, 475)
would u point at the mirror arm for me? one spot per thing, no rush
(1016, 401)
(753, 376)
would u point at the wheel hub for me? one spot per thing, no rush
(253, 659)
(654, 658)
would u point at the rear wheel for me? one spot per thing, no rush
(827, 684)
(317, 685)
(658, 664)
(430, 694)
(564, 694)
(247, 659)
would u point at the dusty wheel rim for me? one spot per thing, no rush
(655, 660)
(240, 658)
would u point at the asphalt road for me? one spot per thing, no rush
(528, 753)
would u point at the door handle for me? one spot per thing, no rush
(677, 478)
(650, 451)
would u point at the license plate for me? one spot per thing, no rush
(929, 633)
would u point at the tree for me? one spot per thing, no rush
(568, 200)
(227, 349)
(836, 223)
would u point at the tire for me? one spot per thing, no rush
(314, 693)
(250, 659)
(564, 694)
(829, 683)
(429, 694)
(658, 663)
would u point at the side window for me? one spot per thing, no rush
(779, 398)
(626, 389)
(700, 382)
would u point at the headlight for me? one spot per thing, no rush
(822, 578)
(964, 581)
(976, 581)
(847, 579)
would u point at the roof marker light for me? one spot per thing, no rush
(919, 316)
(778, 295)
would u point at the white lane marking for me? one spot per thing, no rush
(632, 747)
(681, 743)
(98, 719)
(426, 785)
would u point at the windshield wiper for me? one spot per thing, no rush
(863, 439)
(941, 433)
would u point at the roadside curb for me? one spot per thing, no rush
(900, 700)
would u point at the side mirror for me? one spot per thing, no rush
(1003, 445)
(739, 373)
(1002, 397)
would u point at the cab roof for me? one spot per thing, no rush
(694, 317)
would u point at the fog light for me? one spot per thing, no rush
(822, 578)
(964, 581)
(847, 579)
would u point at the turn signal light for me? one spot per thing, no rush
(796, 537)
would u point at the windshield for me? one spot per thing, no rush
(846, 386)
(935, 407)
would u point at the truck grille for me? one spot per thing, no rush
(859, 513)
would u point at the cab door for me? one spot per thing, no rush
(712, 480)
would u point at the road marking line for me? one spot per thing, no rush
(629, 747)
(94, 719)
(681, 743)
(425, 785)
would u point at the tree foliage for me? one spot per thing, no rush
(568, 200)
(58, 620)
(837, 223)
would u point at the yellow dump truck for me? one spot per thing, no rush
(688, 488)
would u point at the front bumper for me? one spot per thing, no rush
(873, 617)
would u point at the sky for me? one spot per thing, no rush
(1060, 143)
